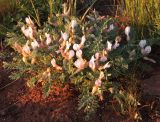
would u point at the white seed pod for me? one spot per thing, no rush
(127, 32)
(92, 64)
(71, 54)
(109, 46)
(142, 43)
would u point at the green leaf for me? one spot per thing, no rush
(46, 88)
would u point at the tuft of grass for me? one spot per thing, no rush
(143, 14)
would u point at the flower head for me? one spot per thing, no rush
(98, 82)
(80, 63)
(92, 64)
(53, 62)
(28, 32)
(83, 40)
(146, 50)
(48, 40)
(26, 48)
(97, 56)
(29, 21)
(127, 32)
(34, 44)
(64, 36)
(116, 45)
(103, 56)
(76, 47)
(111, 27)
(79, 54)
(73, 24)
(103, 59)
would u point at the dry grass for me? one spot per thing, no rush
(6, 5)
(142, 12)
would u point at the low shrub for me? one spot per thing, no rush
(99, 58)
